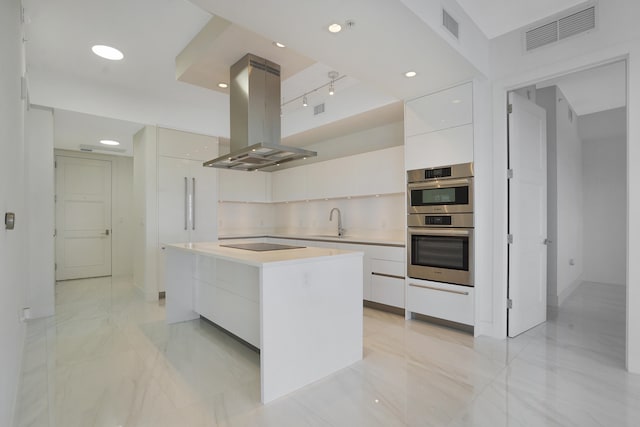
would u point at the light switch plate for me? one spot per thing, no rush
(9, 220)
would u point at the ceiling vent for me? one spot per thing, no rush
(560, 29)
(90, 148)
(318, 109)
(450, 24)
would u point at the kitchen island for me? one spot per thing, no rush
(301, 307)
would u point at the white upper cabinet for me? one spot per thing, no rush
(366, 174)
(441, 110)
(289, 184)
(186, 145)
(241, 186)
(444, 147)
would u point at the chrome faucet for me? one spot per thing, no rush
(340, 229)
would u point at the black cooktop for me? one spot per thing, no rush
(261, 247)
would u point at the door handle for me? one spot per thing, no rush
(193, 205)
(186, 202)
(547, 241)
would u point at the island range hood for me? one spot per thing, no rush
(255, 118)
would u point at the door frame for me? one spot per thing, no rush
(499, 101)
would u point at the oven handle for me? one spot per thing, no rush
(439, 289)
(440, 184)
(426, 231)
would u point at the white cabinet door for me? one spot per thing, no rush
(173, 199)
(186, 145)
(290, 184)
(241, 186)
(187, 204)
(204, 187)
(445, 147)
(441, 110)
(379, 172)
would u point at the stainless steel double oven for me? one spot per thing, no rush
(440, 224)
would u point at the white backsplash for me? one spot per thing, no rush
(376, 217)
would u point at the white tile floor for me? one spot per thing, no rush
(107, 358)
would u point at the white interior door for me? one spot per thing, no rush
(527, 215)
(83, 218)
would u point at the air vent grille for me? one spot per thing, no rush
(543, 35)
(576, 23)
(318, 109)
(560, 29)
(450, 23)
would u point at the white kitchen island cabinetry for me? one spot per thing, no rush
(301, 307)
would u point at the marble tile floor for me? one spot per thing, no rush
(108, 359)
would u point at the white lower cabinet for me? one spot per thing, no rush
(441, 300)
(387, 282)
(228, 294)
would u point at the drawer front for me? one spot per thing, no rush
(387, 290)
(393, 268)
(441, 300)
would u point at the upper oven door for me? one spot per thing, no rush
(441, 196)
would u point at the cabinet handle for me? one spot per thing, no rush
(186, 202)
(393, 276)
(193, 205)
(439, 289)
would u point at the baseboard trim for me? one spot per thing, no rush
(383, 307)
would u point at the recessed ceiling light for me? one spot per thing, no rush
(109, 142)
(335, 28)
(278, 44)
(107, 52)
(410, 74)
(223, 85)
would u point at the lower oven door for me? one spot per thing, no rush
(440, 254)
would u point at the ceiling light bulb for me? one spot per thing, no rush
(107, 52)
(410, 74)
(335, 28)
(109, 142)
(331, 91)
(278, 44)
(223, 85)
(304, 101)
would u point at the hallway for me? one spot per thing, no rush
(107, 358)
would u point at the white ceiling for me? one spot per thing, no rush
(386, 41)
(593, 90)
(498, 17)
(72, 129)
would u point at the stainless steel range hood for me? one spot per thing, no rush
(255, 118)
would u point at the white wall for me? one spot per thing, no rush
(604, 171)
(13, 244)
(41, 209)
(617, 37)
(122, 218)
(145, 212)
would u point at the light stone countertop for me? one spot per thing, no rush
(320, 238)
(261, 259)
